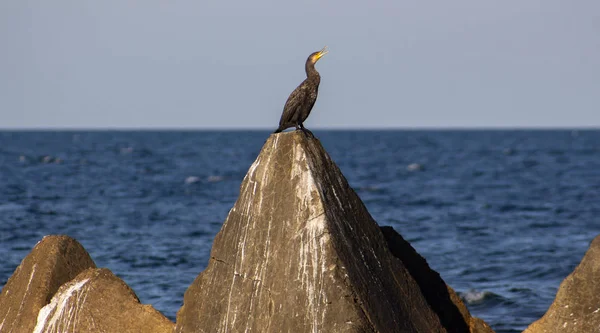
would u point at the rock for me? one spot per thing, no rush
(57, 288)
(576, 308)
(52, 262)
(299, 252)
(98, 301)
(442, 299)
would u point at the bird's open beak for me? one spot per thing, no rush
(323, 52)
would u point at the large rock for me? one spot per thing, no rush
(576, 308)
(98, 301)
(442, 299)
(300, 253)
(57, 288)
(54, 261)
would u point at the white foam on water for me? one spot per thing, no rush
(473, 296)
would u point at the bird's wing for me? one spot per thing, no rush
(293, 103)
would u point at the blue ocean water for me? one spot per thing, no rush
(503, 216)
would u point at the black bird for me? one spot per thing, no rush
(301, 100)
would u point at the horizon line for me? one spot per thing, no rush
(349, 128)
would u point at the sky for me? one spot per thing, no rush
(232, 64)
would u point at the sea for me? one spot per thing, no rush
(503, 215)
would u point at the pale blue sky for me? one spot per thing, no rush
(207, 64)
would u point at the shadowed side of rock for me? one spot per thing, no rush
(98, 301)
(576, 308)
(442, 299)
(382, 284)
(54, 261)
(299, 252)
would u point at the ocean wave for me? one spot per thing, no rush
(472, 296)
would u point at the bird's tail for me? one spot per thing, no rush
(278, 130)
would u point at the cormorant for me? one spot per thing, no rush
(301, 100)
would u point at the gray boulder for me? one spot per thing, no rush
(98, 301)
(299, 252)
(54, 261)
(58, 289)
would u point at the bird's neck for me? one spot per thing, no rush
(311, 72)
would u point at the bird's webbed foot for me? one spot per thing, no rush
(306, 131)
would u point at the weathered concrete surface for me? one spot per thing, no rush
(300, 253)
(52, 262)
(442, 299)
(576, 308)
(98, 301)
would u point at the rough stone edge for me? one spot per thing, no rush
(50, 253)
(592, 254)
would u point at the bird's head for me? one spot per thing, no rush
(315, 56)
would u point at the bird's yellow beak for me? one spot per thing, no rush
(321, 53)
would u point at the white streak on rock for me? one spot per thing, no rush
(24, 295)
(312, 257)
(313, 239)
(253, 167)
(376, 258)
(229, 304)
(58, 309)
(257, 198)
